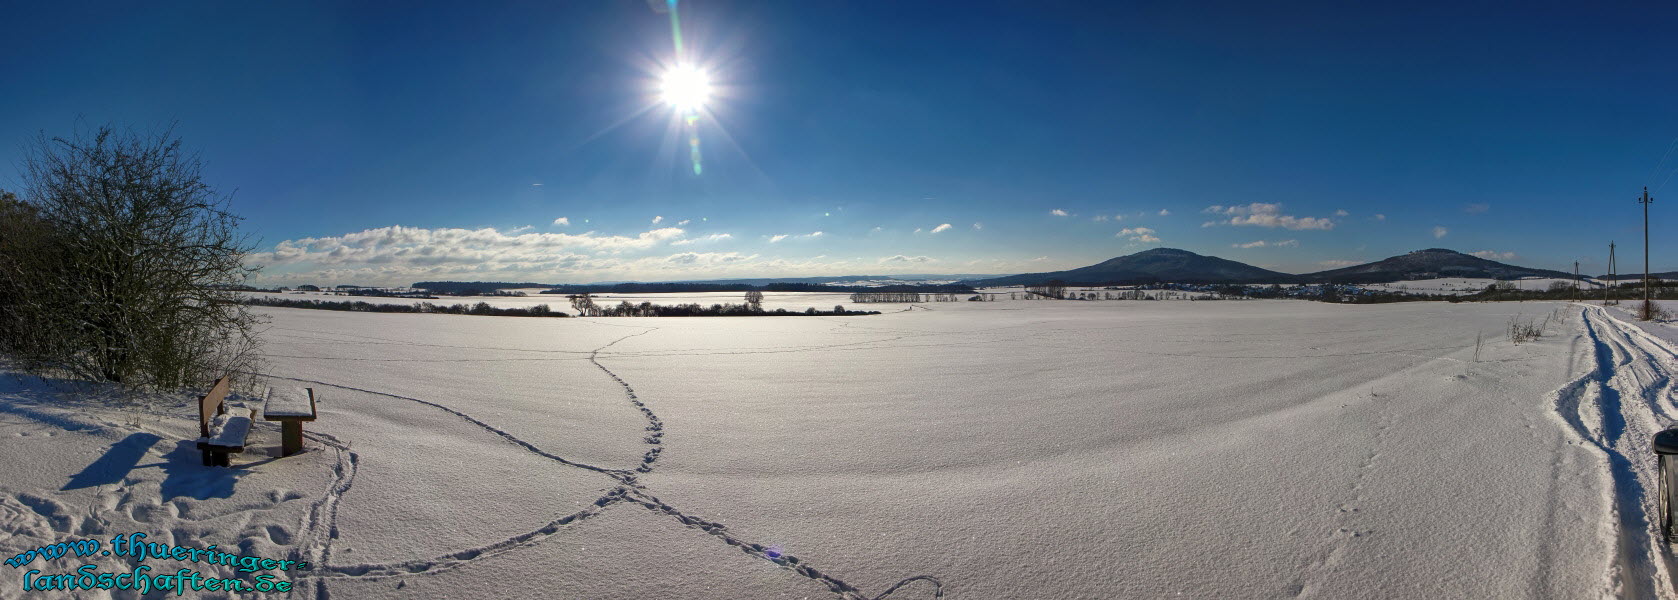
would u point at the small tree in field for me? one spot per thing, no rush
(754, 299)
(125, 267)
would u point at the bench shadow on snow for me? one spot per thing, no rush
(115, 465)
(184, 473)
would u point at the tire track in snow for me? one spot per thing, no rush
(1614, 408)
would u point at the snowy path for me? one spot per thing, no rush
(1616, 407)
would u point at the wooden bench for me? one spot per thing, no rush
(222, 430)
(291, 406)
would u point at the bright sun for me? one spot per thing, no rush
(686, 88)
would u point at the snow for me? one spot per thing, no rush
(1042, 449)
(229, 428)
(288, 401)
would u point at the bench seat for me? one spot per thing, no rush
(227, 434)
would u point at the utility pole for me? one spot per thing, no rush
(1575, 281)
(1613, 279)
(1646, 201)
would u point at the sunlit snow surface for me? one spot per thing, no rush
(1040, 449)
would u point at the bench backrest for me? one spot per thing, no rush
(210, 405)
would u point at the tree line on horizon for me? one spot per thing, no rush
(455, 288)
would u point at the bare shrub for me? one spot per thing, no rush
(1650, 311)
(127, 270)
(1525, 329)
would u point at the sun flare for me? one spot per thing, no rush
(685, 87)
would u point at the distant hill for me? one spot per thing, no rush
(1148, 266)
(1428, 264)
(1638, 276)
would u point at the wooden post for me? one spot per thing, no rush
(291, 437)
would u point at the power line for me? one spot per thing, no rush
(1657, 167)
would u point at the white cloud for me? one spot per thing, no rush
(978, 226)
(1058, 212)
(715, 237)
(400, 255)
(658, 219)
(1164, 212)
(1262, 244)
(563, 222)
(1138, 234)
(1342, 213)
(521, 229)
(808, 236)
(1476, 209)
(1439, 231)
(531, 258)
(1380, 217)
(413, 245)
(1100, 218)
(906, 259)
(707, 258)
(1491, 255)
(1261, 214)
(876, 229)
(941, 228)
(917, 230)
(683, 222)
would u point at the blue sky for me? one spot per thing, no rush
(386, 142)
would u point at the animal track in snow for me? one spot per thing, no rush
(320, 526)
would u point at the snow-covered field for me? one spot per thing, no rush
(1457, 286)
(974, 450)
(792, 301)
